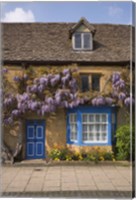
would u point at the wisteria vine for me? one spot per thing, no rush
(50, 91)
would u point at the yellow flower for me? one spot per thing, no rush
(57, 159)
(102, 158)
(113, 160)
(80, 157)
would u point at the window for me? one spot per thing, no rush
(90, 126)
(94, 85)
(73, 127)
(94, 127)
(78, 43)
(82, 41)
(84, 83)
(96, 82)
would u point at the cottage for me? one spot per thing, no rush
(98, 50)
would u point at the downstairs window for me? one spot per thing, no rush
(87, 125)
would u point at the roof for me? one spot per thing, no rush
(50, 42)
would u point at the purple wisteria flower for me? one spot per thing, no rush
(122, 95)
(4, 70)
(65, 71)
(9, 120)
(128, 101)
(115, 77)
(109, 100)
(43, 80)
(15, 113)
(57, 100)
(98, 101)
(122, 84)
(41, 88)
(49, 100)
(33, 106)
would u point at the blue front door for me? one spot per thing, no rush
(35, 139)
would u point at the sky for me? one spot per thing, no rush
(95, 12)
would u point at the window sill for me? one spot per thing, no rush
(82, 51)
(89, 144)
(95, 142)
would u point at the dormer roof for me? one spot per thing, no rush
(82, 21)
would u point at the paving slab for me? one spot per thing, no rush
(58, 180)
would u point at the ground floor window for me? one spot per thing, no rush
(88, 125)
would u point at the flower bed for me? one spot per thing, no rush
(95, 155)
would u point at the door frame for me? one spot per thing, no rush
(44, 137)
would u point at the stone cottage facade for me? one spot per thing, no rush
(98, 50)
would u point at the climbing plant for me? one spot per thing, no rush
(44, 91)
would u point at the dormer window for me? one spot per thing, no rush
(82, 35)
(82, 41)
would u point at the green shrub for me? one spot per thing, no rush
(55, 154)
(63, 154)
(60, 154)
(108, 155)
(123, 142)
(89, 157)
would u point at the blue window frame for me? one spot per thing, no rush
(89, 126)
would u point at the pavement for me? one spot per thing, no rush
(67, 181)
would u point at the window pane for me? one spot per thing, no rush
(91, 128)
(104, 136)
(85, 128)
(91, 137)
(87, 40)
(73, 136)
(73, 128)
(97, 127)
(104, 118)
(96, 82)
(77, 40)
(103, 127)
(84, 118)
(91, 118)
(97, 118)
(98, 136)
(84, 136)
(72, 117)
(85, 83)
